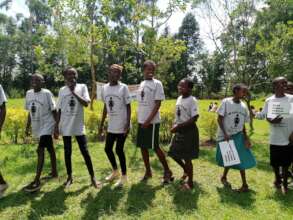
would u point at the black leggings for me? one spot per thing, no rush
(82, 143)
(120, 140)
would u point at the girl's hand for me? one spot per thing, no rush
(146, 124)
(247, 143)
(276, 120)
(291, 138)
(226, 137)
(56, 132)
(126, 130)
(174, 129)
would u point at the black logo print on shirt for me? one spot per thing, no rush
(142, 95)
(178, 112)
(33, 109)
(111, 104)
(72, 104)
(236, 120)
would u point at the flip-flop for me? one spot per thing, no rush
(225, 183)
(145, 178)
(168, 178)
(242, 189)
(186, 187)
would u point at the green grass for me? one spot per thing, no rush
(209, 200)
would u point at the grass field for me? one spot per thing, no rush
(209, 200)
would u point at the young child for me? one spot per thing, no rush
(116, 97)
(42, 118)
(232, 116)
(3, 100)
(150, 95)
(185, 143)
(73, 97)
(280, 148)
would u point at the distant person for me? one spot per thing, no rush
(215, 107)
(3, 100)
(72, 99)
(210, 106)
(119, 113)
(42, 117)
(185, 142)
(281, 149)
(150, 95)
(232, 116)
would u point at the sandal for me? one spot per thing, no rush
(96, 184)
(183, 178)
(243, 189)
(168, 177)
(225, 182)
(146, 177)
(68, 183)
(277, 185)
(33, 187)
(186, 187)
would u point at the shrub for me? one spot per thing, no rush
(209, 125)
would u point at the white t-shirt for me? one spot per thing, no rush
(235, 116)
(72, 114)
(3, 98)
(40, 106)
(186, 108)
(279, 133)
(149, 91)
(116, 99)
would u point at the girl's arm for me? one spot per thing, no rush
(104, 115)
(246, 138)
(128, 109)
(153, 114)
(2, 115)
(28, 124)
(187, 123)
(222, 127)
(81, 100)
(57, 116)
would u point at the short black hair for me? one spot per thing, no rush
(238, 87)
(39, 75)
(149, 63)
(68, 69)
(189, 82)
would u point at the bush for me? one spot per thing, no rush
(209, 125)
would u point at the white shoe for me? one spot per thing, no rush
(112, 176)
(121, 182)
(3, 187)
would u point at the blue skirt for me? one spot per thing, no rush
(246, 157)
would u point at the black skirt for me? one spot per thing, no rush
(185, 144)
(281, 155)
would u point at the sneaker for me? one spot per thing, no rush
(121, 182)
(114, 175)
(3, 187)
(33, 187)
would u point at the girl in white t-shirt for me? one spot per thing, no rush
(42, 118)
(281, 150)
(232, 116)
(3, 100)
(149, 97)
(72, 99)
(185, 143)
(116, 97)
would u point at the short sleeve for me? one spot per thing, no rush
(59, 100)
(126, 95)
(26, 104)
(3, 98)
(194, 107)
(85, 94)
(103, 94)
(159, 92)
(52, 104)
(222, 109)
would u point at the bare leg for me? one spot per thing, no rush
(146, 160)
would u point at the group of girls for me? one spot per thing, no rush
(66, 118)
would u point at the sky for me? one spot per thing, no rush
(18, 6)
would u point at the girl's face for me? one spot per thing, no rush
(183, 88)
(241, 93)
(149, 72)
(114, 75)
(70, 77)
(281, 86)
(36, 82)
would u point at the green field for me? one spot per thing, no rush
(209, 200)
